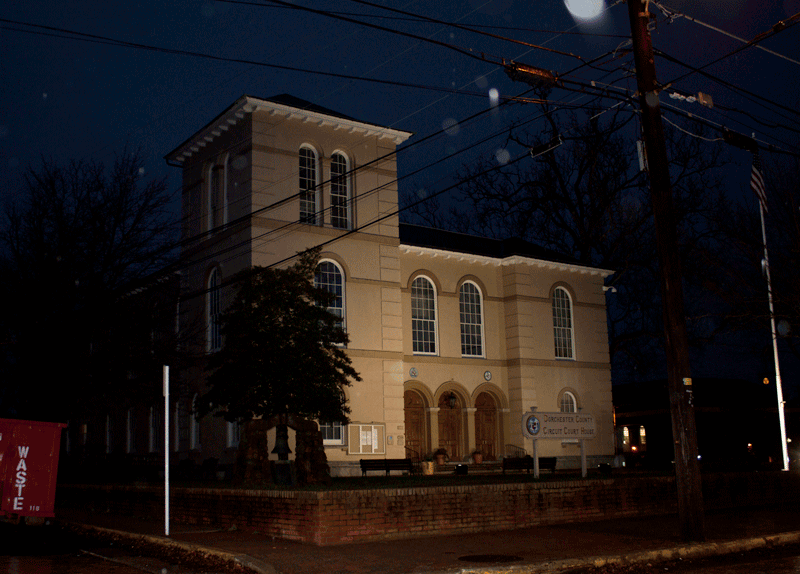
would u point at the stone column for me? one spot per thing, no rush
(470, 412)
(433, 417)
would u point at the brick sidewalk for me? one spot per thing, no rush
(544, 548)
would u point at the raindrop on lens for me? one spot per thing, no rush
(502, 156)
(451, 127)
(494, 97)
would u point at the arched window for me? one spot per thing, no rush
(423, 316)
(212, 193)
(232, 434)
(341, 207)
(471, 315)
(152, 431)
(213, 331)
(309, 188)
(329, 276)
(226, 174)
(130, 431)
(562, 324)
(194, 425)
(568, 403)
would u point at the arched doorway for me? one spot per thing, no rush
(450, 424)
(414, 407)
(486, 425)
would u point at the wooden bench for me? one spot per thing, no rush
(526, 463)
(386, 464)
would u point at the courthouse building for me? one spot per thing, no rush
(454, 336)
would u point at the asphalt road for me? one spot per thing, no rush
(49, 549)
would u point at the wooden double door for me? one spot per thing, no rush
(451, 426)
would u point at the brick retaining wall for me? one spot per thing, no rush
(337, 517)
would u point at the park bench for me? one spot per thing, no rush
(526, 463)
(386, 464)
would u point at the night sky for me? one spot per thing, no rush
(71, 89)
(65, 97)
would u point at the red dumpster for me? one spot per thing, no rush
(28, 467)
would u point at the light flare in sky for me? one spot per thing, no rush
(585, 9)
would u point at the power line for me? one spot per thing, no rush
(672, 15)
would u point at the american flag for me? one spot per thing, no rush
(757, 182)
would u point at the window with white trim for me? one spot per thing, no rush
(329, 276)
(340, 192)
(562, 324)
(309, 186)
(130, 431)
(212, 193)
(213, 329)
(568, 403)
(423, 316)
(152, 435)
(332, 433)
(225, 184)
(108, 434)
(194, 425)
(471, 315)
(233, 434)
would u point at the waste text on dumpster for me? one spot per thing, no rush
(22, 477)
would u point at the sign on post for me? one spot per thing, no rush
(563, 426)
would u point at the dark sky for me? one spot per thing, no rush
(63, 97)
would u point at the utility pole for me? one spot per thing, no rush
(684, 432)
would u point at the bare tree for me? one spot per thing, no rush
(77, 239)
(588, 200)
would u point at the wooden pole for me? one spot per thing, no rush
(687, 468)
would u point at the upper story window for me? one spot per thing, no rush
(471, 315)
(423, 316)
(213, 330)
(329, 276)
(309, 186)
(341, 212)
(562, 324)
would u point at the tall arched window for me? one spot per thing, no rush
(194, 425)
(562, 324)
(423, 316)
(213, 197)
(471, 315)
(226, 174)
(213, 331)
(309, 188)
(329, 276)
(341, 211)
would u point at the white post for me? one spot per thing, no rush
(166, 450)
(778, 385)
(583, 459)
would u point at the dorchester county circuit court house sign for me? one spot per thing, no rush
(562, 426)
